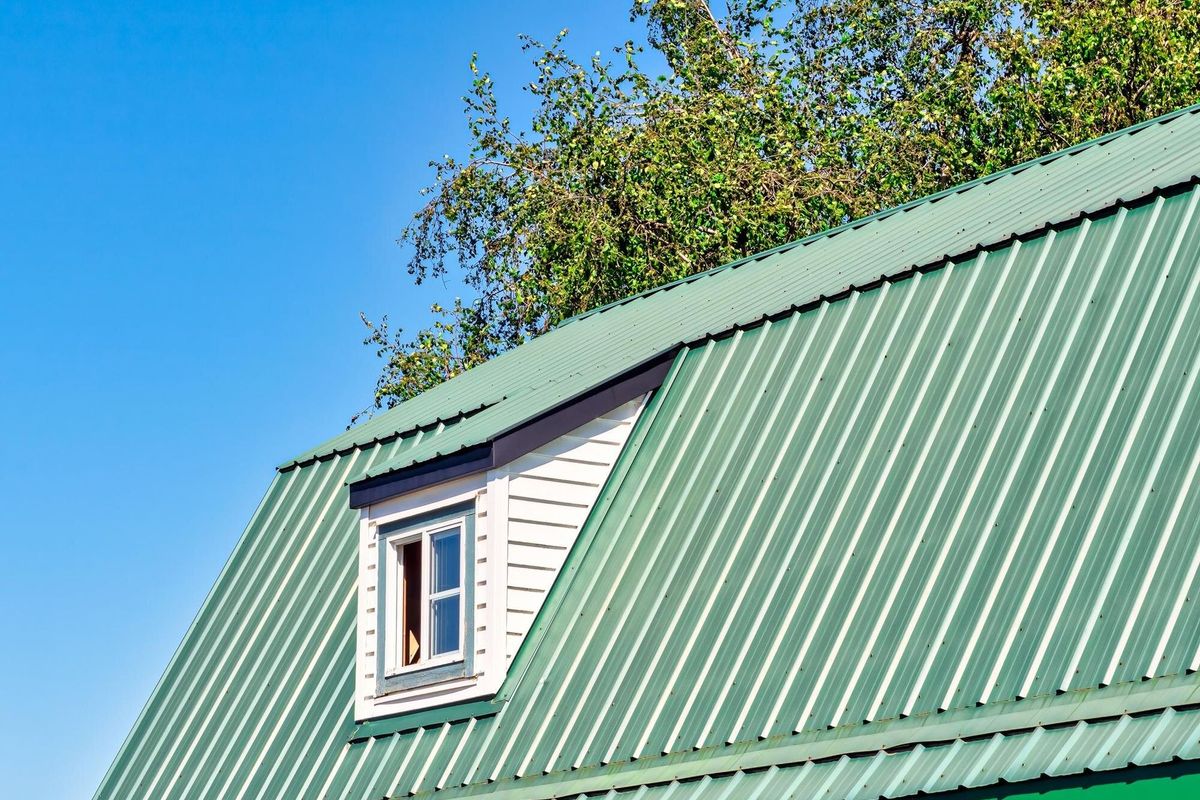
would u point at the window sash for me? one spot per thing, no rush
(393, 629)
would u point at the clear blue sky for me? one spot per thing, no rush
(195, 204)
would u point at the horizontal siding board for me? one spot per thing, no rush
(540, 465)
(612, 428)
(541, 557)
(548, 512)
(576, 448)
(529, 532)
(525, 601)
(530, 578)
(545, 490)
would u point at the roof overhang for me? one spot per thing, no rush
(518, 440)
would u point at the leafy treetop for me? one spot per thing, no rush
(770, 121)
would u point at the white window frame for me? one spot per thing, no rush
(393, 633)
(464, 501)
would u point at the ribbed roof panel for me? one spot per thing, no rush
(947, 767)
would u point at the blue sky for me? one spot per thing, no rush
(195, 204)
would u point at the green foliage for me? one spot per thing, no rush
(772, 120)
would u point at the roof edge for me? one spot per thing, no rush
(323, 452)
(669, 353)
(318, 453)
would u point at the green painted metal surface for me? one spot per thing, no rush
(963, 488)
(522, 383)
(1029, 762)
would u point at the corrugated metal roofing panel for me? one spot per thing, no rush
(575, 357)
(262, 682)
(1028, 755)
(920, 498)
(969, 486)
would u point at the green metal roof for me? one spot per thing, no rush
(566, 362)
(1104, 746)
(950, 508)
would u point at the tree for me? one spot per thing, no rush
(772, 120)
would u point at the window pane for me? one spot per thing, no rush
(445, 634)
(446, 560)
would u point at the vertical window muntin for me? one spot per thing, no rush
(442, 590)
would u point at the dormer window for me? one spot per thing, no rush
(423, 583)
(452, 574)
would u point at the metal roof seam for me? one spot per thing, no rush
(911, 404)
(1055, 761)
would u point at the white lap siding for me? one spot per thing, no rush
(549, 494)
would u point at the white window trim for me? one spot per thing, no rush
(476, 675)
(432, 674)
(390, 620)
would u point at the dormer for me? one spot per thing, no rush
(458, 552)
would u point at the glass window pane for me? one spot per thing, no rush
(445, 634)
(445, 573)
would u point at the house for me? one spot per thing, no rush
(907, 507)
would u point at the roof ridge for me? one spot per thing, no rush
(891, 211)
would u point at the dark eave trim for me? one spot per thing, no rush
(531, 435)
(517, 441)
(456, 465)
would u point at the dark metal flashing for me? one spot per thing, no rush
(456, 465)
(567, 417)
(517, 441)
